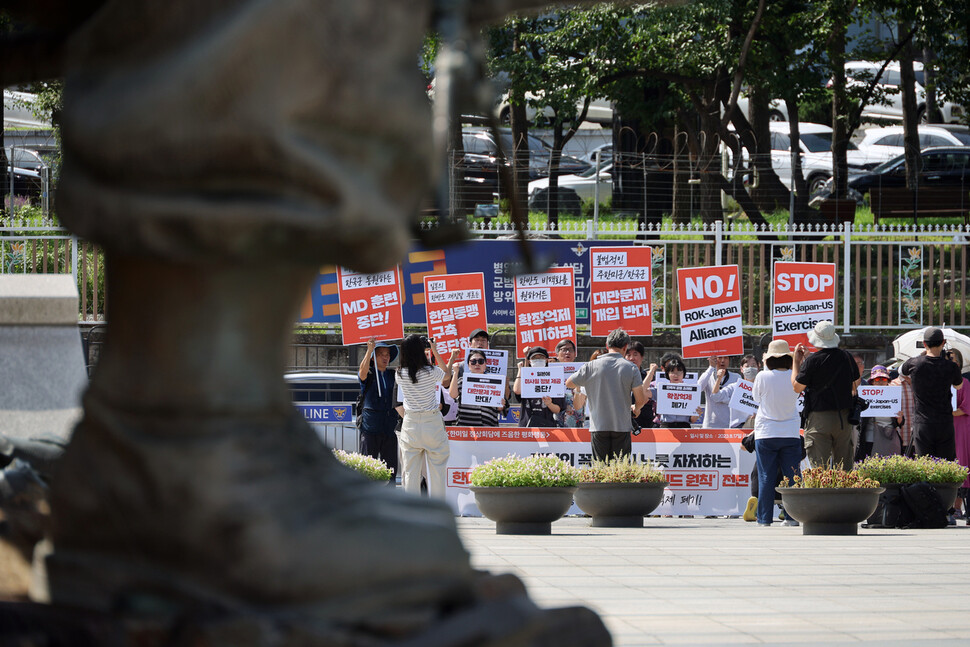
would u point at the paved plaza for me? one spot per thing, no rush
(724, 581)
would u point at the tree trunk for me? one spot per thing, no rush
(840, 140)
(910, 117)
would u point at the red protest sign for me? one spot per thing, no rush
(803, 294)
(454, 307)
(545, 309)
(370, 305)
(620, 290)
(710, 311)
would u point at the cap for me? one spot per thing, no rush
(479, 332)
(933, 337)
(537, 350)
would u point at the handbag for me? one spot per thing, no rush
(747, 441)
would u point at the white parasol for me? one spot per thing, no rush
(910, 344)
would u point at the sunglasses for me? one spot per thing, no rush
(477, 361)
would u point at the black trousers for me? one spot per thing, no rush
(382, 446)
(609, 444)
(935, 439)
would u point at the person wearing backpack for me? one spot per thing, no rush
(376, 415)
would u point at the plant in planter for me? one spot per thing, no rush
(618, 493)
(829, 501)
(524, 495)
(898, 472)
(373, 468)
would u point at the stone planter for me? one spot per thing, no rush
(619, 505)
(523, 510)
(946, 491)
(830, 511)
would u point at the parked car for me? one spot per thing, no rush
(861, 73)
(816, 153)
(942, 166)
(573, 189)
(600, 110)
(777, 110)
(884, 144)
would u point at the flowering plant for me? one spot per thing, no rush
(828, 478)
(903, 470)
(622, 470)
(530, 471)
(373, 468)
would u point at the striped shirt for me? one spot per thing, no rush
(475, 415)
(422, 396)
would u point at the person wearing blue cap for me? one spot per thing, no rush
(377, 417)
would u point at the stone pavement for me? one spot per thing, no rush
(724, 581)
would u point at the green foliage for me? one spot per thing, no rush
(622, 470)
(373, 468)
(829, 478)
(530, 471)
(900, 469)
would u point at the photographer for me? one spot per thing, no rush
(932, 375)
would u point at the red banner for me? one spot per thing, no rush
(454, 307)
(803, 295)
(620, 290)
(370, 305)
(710, 311)
(545, 309)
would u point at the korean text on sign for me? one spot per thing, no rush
(678, 399)
(548, 382)
(454, 307)
(803, 294)
(710, 311)
(545, 309)
(370, 305)
(620, 290)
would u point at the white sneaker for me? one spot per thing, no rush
(789, 522)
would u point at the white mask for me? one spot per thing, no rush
(749, 373)
(537, 363)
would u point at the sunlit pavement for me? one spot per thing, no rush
(725, 581)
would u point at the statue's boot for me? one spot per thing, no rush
(192, 486)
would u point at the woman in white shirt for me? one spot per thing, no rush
(777, 441)
(423, 434)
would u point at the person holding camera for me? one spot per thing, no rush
(423, 436)
(933, 373)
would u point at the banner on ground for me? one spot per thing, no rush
(482, 389)
(710, 311)
(370, 305)
(454, 307)
(620, 290)
(678, 399)
(545, 382)
(545, 309)
(884, 401)
(707, 471)
(741, 399)
(803, 294)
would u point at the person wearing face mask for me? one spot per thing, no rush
(722, 395)
(537, 412)
(716, 415)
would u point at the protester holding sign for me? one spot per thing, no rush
(879, 435)
(777, 443)
(377, 418)
(717, 413)
(537, 412)
(423, 434)
(473, 415)
(737, 396)
(675, 371)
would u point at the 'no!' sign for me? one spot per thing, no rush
(710, 311)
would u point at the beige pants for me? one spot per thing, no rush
(423, 436)
(828, 438)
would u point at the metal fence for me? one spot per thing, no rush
(890, 276)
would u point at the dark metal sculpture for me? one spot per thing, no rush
(221, 151)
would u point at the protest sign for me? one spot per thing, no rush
(710, 311)
(568, 368)
(542, 382)
(620, 290)
(454, 307)
(678, 398)
(884, 401)
(741, 399)
(370, 305)
(496, 361)
(545, 309)
(689, 378)
(482, 389)
(803, 294)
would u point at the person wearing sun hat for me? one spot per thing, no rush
(378, 417)
(932, 376)
(777, 442)
(879, 436)
(829, 378)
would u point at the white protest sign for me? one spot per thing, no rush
(741, 399)
(884, 401)
(482, 390)
(543, 382)
(568, 368)
(710, 311)
(689, 378)
(678, 399)
(496, 361)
